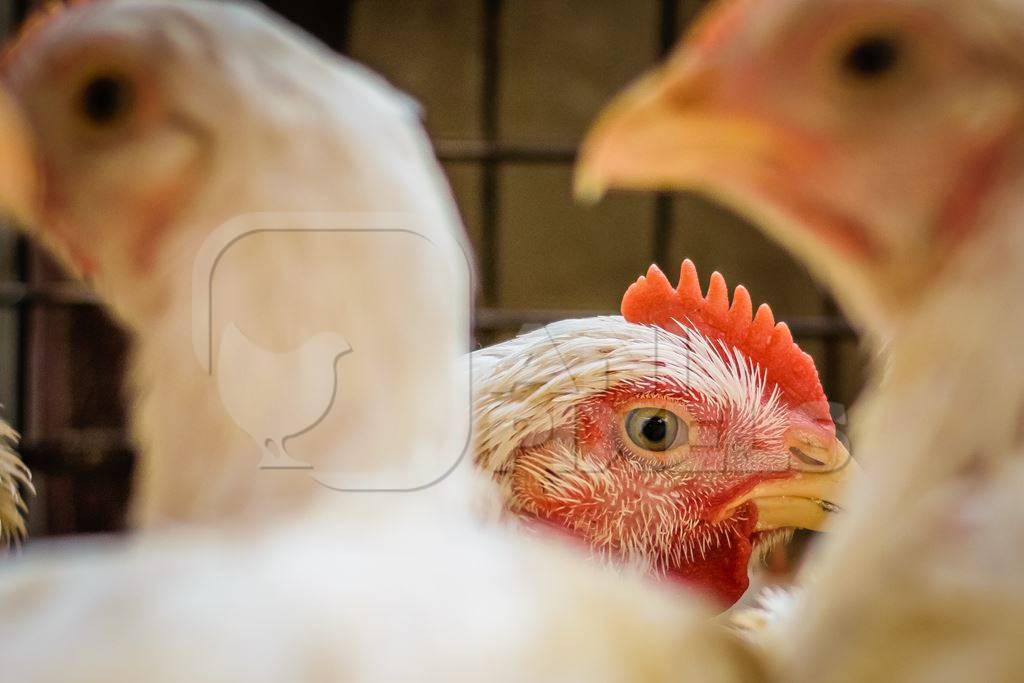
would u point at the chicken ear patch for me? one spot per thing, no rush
(652, 300)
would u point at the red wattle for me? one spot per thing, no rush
(721, 574)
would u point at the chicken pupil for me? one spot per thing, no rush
(655, 429)
(105, 99)
(872, 56)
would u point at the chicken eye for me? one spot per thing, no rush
(106, 100)
(872, 57)
(655, 429)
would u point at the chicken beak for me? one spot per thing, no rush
(18, 175)
(666, 131)
(809, 496)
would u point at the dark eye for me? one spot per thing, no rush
(656, 429)
(872, 57)
(106, 100)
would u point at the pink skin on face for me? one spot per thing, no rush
(661, 506)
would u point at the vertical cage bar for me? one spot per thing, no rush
(344, 21)
(489, 94)
(668, 29)
(24, 411)
(23, 266)
(831, 361)
(22, 260)
(21, 10)
(328, 21)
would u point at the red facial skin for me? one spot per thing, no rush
(669, 507)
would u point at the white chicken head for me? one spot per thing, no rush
(679, 436)
(153, 126)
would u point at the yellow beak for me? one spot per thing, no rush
(809, 497)
(19, 180)
(667, 132)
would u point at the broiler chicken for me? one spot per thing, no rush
(685, 436)
(883, 142)
(157, 122)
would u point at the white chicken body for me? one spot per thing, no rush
(945, 500)
(406, 600)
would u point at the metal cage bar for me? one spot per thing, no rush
(490, 94)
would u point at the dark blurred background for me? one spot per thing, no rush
(508, 88)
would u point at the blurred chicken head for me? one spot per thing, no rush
(866, 135)
(683, 437)
(153, 127)
(121, 150)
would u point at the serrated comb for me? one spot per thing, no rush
(652, 300)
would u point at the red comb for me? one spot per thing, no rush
(652, 300)
(33, 25)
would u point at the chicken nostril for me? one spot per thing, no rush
(804, 458)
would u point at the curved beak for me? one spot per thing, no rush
(19, 180)
(809, 496)
(667, 132)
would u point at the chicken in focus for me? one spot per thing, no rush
(685, 437)
(882, 141)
